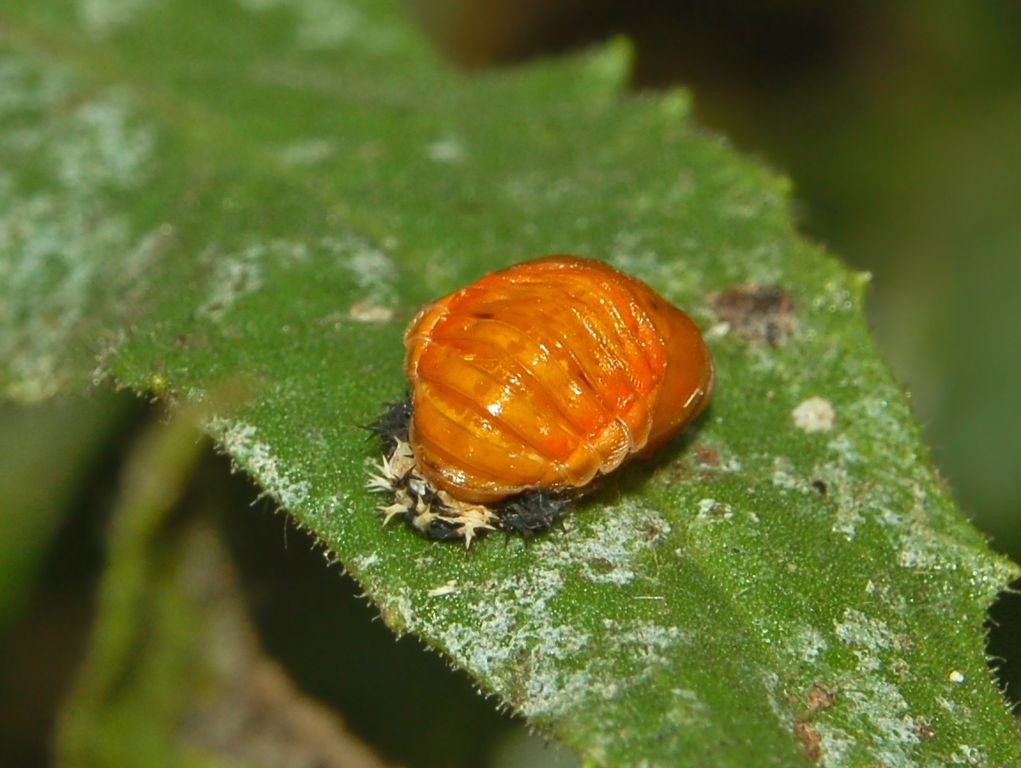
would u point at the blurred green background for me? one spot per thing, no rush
(900, 127)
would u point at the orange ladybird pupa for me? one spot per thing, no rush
(526, 385)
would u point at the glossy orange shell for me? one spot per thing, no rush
(545, 374)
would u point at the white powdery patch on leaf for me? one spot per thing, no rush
(514, 636)
(532, 190)
(872, 700)
(446, 150)
(369, 267)
(553, 690)
(320, 23)
(861, 492)
(846, 491)
(511, 634)
(923, 549)
(24, 86)
(369, 312)
(688, 710)
(240, 441)
(232, 275)
(366, 562)
(651, 642)
(926, 551)
(896, 495)
(806, 645)
(609, 552)
(867, 636)
(101, 18)
(834, 743)
(62, 246)
(52, 262)
(101, 145)
(711, 511)
(309, 152)
(815, 414)
(966, 754)
(239, 272)
(785, 475)
(672, 277)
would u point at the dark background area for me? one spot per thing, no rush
(900, 128)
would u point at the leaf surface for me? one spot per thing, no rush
(242, 204)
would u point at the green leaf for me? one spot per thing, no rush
(243, 204)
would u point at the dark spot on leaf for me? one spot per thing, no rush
(923, 729)
(809, 740)
(820, 487)
(602, 565)
(704, 464)
(650, 531)
(755, 311)
(819, 697)
(706, 457)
